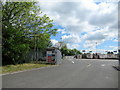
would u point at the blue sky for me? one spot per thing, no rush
(81, 24)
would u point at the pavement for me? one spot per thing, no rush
(92, 73)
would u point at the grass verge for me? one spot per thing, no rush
(20, 67)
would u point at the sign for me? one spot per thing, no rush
(49, 52)
(49, 59)
(49, 56)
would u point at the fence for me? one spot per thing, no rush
(93, 56)
(41, 56)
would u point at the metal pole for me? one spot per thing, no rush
(96, 47)
(119, 56)
(35, 47)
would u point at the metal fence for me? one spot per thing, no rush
(40, 55)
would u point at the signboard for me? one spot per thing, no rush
(49, 56)
(49, 52)
(49, 59)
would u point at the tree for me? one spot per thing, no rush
(23, 25)
(64, 51)
(61, 45)
(70, 52)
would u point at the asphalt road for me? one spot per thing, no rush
(80, 74)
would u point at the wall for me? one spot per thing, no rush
(58, 57)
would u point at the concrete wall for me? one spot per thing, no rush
(79, 56)
(90, 56)
(68, 57)
(101, 56)
(108, 56)
(58, 57)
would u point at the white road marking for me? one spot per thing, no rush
(107, 77)
(88, 65)
(103, 65)
(72, 61)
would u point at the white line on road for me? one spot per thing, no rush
(72, 61)
(103, 65)
(88, 65)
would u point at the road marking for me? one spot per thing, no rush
(103, 65)
(107, 77)
(88, 65)
(72, 61)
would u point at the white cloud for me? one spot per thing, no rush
(72, 38)
(72, 46)
(54, 42)
(62, 31)
(115, 48)
(90, 44)
(116, 40)
(84, 16)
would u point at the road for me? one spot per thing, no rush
(80, 74)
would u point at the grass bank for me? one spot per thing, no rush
(20, 67)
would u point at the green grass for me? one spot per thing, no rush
(20, 67)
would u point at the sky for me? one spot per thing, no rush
(90, 25)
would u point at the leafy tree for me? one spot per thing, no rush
(74, 52)
(69, 52)
(61, 45)
(23, 25)
(64, 51)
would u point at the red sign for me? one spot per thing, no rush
(49, 58)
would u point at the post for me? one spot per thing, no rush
(34, 48)
(96, 47)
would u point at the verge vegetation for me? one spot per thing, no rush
(21, 67)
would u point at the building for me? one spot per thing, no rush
(53, 55)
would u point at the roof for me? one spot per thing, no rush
(51, 48)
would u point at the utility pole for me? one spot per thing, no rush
(96, 47)
(35, 47)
